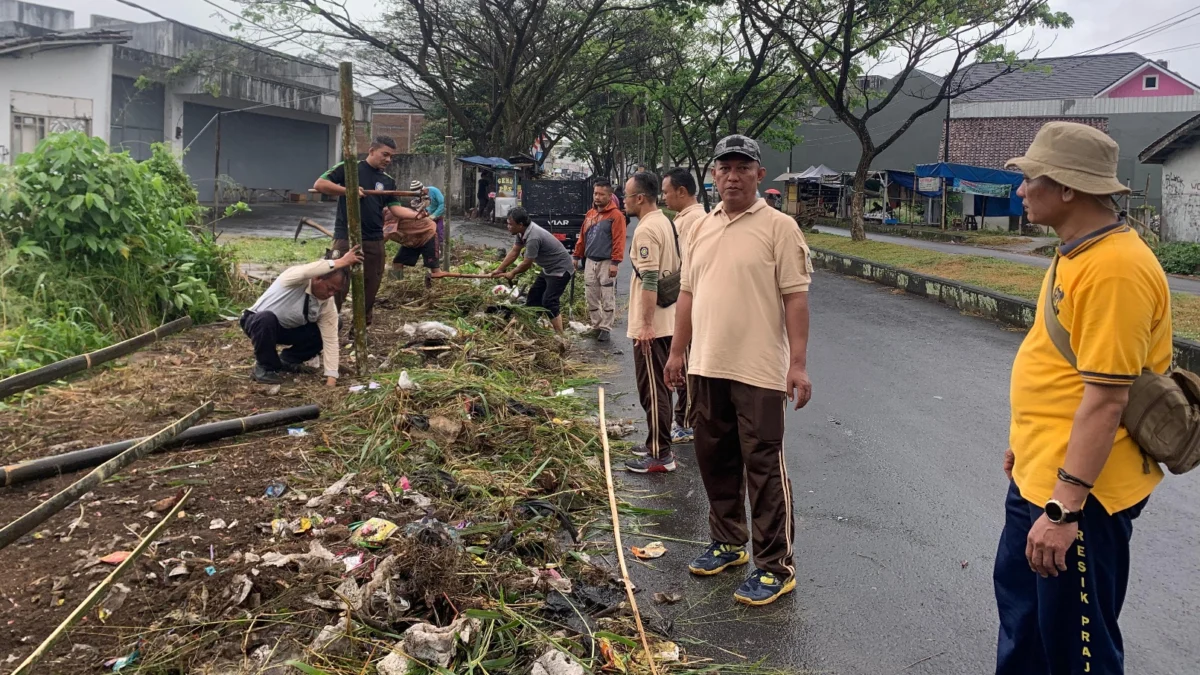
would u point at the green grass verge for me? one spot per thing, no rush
(1013, 278)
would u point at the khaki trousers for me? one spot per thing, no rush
(600, 293)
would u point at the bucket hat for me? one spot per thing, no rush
(1080, 157)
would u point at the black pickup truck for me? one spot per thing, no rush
(559, 206)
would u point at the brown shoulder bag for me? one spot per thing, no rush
(1163, 413)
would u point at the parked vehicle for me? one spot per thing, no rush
(560, 206)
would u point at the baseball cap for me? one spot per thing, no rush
(737, 144)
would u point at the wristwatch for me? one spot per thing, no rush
(1058, 514)
(332, 265)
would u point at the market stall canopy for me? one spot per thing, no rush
(812, 173)
(907, 179)
(997, 188)
(498, 163)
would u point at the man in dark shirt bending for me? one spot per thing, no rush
(371, 176)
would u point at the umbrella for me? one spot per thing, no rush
(773, 191)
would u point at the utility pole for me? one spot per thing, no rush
(447, 196)
(353, 215)
(217, 178)
(666, 165)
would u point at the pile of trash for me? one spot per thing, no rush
(449, 509)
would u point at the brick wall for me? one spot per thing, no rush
(403, 127)
(992, 141)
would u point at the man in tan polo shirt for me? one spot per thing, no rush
(654, 255)
(744, 310)
(679, 192)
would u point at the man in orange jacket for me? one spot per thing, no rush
(598, 252)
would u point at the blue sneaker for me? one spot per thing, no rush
(763, 588)
(681, 434)
(718, 557)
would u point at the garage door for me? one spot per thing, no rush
(257, 151)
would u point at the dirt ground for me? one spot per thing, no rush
(205, 575)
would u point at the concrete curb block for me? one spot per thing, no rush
(963, 297)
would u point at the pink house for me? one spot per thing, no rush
(1149, 80)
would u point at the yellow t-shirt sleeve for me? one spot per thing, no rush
(1110, 329)
(792, 272)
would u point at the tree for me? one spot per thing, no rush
(615, 130)
(503, 70)
(726, 76)
(836, 43)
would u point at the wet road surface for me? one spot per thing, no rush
(899, 493)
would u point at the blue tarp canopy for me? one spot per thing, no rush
(986, 206)
(498, 163)
(905, 179)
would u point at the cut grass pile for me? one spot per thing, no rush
(1013, 278)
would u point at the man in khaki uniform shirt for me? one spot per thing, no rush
(655, 257)
(745, 293)
(679, 192)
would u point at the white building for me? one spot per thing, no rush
(1178, 151)
(265, 122)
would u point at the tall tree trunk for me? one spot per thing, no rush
(858, 199)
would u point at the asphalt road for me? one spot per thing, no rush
(899, 492)
(1178, 284)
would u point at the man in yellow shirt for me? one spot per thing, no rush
(1078, 479)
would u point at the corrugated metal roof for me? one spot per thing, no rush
(1051, 78)
(1182, 136)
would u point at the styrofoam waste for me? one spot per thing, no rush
(579, 327)
(405, 382)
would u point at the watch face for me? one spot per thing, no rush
(1054, 511)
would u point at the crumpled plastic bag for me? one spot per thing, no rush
(554, 662)
(431, 644)
(435, 330)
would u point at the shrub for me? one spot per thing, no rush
(96, 239)
(1178, 257)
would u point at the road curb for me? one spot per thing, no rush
(963, 297)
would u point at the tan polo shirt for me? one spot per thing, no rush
(686, 219)
(738, 272)
(653, 249)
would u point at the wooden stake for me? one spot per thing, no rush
(358, 287)
(100, 591)
(42, 512)
(616, 523)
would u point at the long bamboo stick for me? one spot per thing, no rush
(67, 462)
(100, 590)
(384, 193)
(616, 522)
(353, 214)
(27, 380)
(42, 512)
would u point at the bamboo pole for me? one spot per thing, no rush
(55, 371)
(616, 523)
(100, 590)
(382, 193)
(353, 215)
(55, 465)
(42, 512)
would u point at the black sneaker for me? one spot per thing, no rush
(296, 368)
(717, 558)
(602, 336)
(763, 588)
(649, 464)
(263, 376)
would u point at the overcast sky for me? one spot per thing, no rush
(1097, 22)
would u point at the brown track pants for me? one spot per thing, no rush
(374, 259)
(739, 444)
(655, 396)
